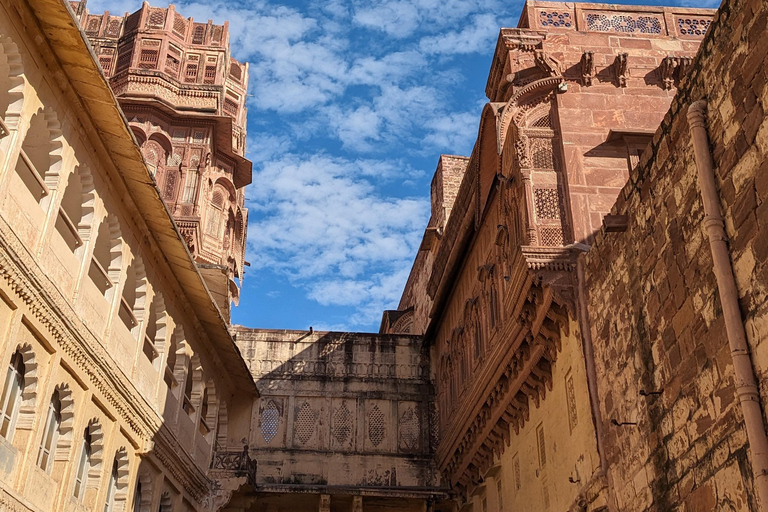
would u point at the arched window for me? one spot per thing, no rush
(107, 255)
(12, 92)
(215, 213)
(83, 465)
(188, 386)
(109, 505)
(11, 398)
(76, 205)
(39, 162)
(134, 295)
(190, 187)
(154, 334)
(50, 433)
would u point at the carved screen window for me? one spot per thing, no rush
(94, 23)
(190, 75)
(148, 58)
(270, 421)
(113, 29)
(499, 494)
(551, 236)
(342, 424)
(156, 18)
(305, 423)
(409, 429)
(198, 34)
(542, 152)
(213, 227)
(179, 25)
(516, 466)
(547, 201)
(570, 394)
(190, 187)
(541, 446)
(376, 427)
(106, 64)
(209, 76)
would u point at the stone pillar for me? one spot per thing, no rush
(325, 503)
(357, 504)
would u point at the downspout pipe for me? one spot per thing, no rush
(744, 374)
(589, 356)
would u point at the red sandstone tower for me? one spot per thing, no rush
(184, 96)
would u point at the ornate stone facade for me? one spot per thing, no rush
(123, 385)
(184, 97)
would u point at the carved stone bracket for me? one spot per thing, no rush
(587, 68)
(549, 65)
(673, 68)
(620, 69)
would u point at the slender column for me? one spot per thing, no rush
(744, 374)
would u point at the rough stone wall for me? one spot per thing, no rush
(341, 410)
(445, 185)
(655, 315)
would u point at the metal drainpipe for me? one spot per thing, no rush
(589, 356)
(744, 374)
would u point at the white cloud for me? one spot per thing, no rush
(477, 37)
(320, 221)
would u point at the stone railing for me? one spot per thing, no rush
(239, 463)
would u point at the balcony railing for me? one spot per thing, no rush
(240, 463)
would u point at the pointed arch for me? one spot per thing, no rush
(64, 445)
(155, 331)
(121, 491)
(97, 453)
(26, 414)
(12, 97)
(143, 492)
(107, 260)
(40, 159)
(166, 504)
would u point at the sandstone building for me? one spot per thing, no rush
(575, 333)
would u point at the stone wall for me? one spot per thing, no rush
(341, 411)
(655, 315)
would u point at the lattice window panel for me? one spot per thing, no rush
(693, 27)
(113, 29)
(434, 427)
(156, 18)
(93, 26)
(216, 34)
(518, 482)
(106, 64)
(376, 427)
(409, 429)
(548, 205)
(179, 25)
(342, 424)
(132, 22)
(198, 34)
(198, 137)
(270, 422)
(542, 151)
(624, 23)
(551, 236)
(570, 394)
(235, 71)
(305, 423)
(190, 75)
(543, 122)
(209, 76)
(230, 106)
(172, 64)
(555, 19)
(148, 59)
(124, 58)
(170, 186)
(541, 445)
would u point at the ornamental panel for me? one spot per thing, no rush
(626, 23)
(692, 27)
(343, 424)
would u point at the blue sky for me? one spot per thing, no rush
(351, 103)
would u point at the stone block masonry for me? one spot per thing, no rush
(656, 318)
